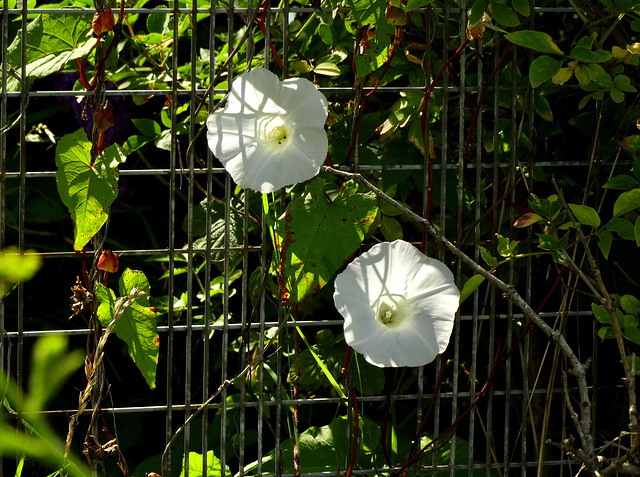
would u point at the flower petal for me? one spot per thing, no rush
(304, 103)
(229, 135)
(255, 91)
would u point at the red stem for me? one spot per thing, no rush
(261, 24)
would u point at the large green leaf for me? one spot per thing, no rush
(542, 69)
(626, 202)
(52, 41)
(87, 190)
(321, 229)
(136, 326)
(535, 40)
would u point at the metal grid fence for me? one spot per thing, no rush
(504, 433)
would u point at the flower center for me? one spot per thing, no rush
(390, 311)
(277, 135)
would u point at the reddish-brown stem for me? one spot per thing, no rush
(261, 24)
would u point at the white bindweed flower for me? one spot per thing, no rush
(270, 133)
(398, 305)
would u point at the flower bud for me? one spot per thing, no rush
(108, 261)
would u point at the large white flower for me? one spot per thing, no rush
(398, 305)
(270, 133)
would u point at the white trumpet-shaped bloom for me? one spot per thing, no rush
(398, 305)
(270, 133)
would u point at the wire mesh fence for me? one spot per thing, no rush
(238, 389)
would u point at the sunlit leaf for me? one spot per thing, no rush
(137, 324)
(626, 202)
(86, 189)
(535, 40)
(321, 229)
(214, 467)
(585, 215)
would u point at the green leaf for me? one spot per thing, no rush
(542, 69)
(604, 243)
(504, 15)
(321, 229)
(630, 304)
(506, 247)
(623, 83)
(601, 313)
(606, 333)
(585, 215)
(547, 242)
(632, 333)
(623, 227)
(626, 202)
(585, 55)
(214, 468)
(542, 106)
(477, 11)
(324, 449)
(527, 220)
(148, 127)
(52, 41)
(137, 324)
(621, 182)
(636, 231)
(327, 69)
(535, 40)
(391, 229)
(470, 286)
(489, 259)
(306, 372)
(86, 190)
(631, 144)
(325, 32)
(16, 267)
(522, 7)
(616, 95)
(414, 4)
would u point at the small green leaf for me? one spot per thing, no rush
(325, 32)
(327, 69)
(527, 220)
(522, 7)
(542, 106)
(489, 259)
(535, 40)
(632, 333)
(623, 227)
(585, 55)
(470, 286)
(631, 144)
(606, 333)
(583, 75)
(137, 324)
(585, 215)
(16, 267)
(601, 313)
(616, 95)
(630, 304)
(621, 182)
(506, 247)
(148, 127)
(542, 69)
(604, 243)
(636, 231)
(391, 229)
(626, 202)
(477, 11)
(214, 468)
(547, 242)
(504, 15)
(623, 83)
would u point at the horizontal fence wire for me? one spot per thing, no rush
(190, 346)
